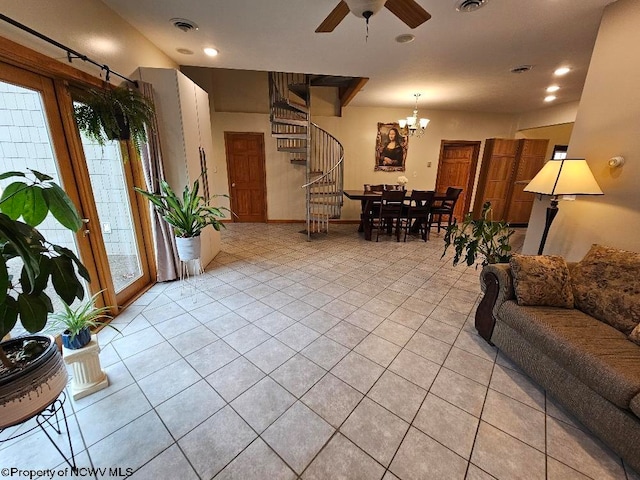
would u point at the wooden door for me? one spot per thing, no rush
(457, 168)
(530, 160)
(247, 179)
(496, 173)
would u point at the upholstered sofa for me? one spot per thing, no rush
(590, 366)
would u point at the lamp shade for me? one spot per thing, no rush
(568, 176)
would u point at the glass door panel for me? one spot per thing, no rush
(26, 143)
(111, 194)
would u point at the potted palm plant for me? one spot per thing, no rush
(116, 113)
(481, 237)
(32, 373)
(188, 215)
(76, 323)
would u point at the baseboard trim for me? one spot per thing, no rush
(354, 222)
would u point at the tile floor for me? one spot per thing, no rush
(335, 359)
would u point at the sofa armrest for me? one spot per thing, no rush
(498, 288)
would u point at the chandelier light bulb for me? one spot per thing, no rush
(412, 125)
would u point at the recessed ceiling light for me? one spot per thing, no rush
(562, 71)
(553, 88)
(549, 98)
(521, 68)
(405, 38)
(184, 51)
(210, 51)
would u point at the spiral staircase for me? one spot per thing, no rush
(309, 145)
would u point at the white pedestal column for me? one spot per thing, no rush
(88, 376)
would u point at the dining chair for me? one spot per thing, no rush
(445, 207)
(416, 215)
(390, 213)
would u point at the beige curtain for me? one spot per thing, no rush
(167, 261)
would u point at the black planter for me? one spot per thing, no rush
(74, 342)
(123, 132)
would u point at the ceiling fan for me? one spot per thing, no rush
(409, 11)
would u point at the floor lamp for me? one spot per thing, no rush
(567, 176)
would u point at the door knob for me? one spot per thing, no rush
(233, 184)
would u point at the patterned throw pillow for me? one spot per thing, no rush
(541, 280)
(634, 336)
(606, 285)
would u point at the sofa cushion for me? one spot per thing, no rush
(595, 353)
(541, 280)
(635, 405)
(606, 285)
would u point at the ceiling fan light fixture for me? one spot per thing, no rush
(468, 6)
(365, 8)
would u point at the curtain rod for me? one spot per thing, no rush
(71, 54)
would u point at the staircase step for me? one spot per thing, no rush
(297, 136)
(291, 106)
(300, 89)
(326, 194)
(293, 149)
(289, 121)
(299, 161)
(323, 184)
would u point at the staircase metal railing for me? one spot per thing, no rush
(325, 179)
(308, 144)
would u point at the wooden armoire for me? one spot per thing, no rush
(507, 167)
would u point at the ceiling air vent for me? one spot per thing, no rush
(521, 69)
(470, 5)
(184, 24)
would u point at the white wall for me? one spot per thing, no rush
(607, 124)
(89, 27)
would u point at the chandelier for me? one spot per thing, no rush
(411, 125)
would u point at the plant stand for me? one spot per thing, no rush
(88, 376)
(47, 415)
(190, 270)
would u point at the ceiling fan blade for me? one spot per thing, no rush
(409, 11)
(334, 18)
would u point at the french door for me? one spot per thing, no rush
(38, 131)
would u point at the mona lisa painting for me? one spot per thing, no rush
(391, 148)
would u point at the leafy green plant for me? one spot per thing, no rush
(482, 237)
(188, 215)
(85, 315)
(114, 114)
(43, 262)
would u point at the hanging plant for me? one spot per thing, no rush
(114, 114)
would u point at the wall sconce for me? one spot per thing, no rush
(616, 162)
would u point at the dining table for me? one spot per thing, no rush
(367, 198)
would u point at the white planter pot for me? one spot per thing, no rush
(188, 248)
(26, 393)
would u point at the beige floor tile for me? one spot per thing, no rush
(469, 365)
(460, 391)
(341, 459)
(517, 419)
(377, 349)
(505, 457)
(420, 457)
(429, 348)
(394, 332)
(398, 395)
(517, 386)
(257, 462)
(298, 435)
(448, 424)
(358, 371)
(376, 430)
(581, 451)
(414, 368)
(560, 471)
(332, 399)
(298, 375)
